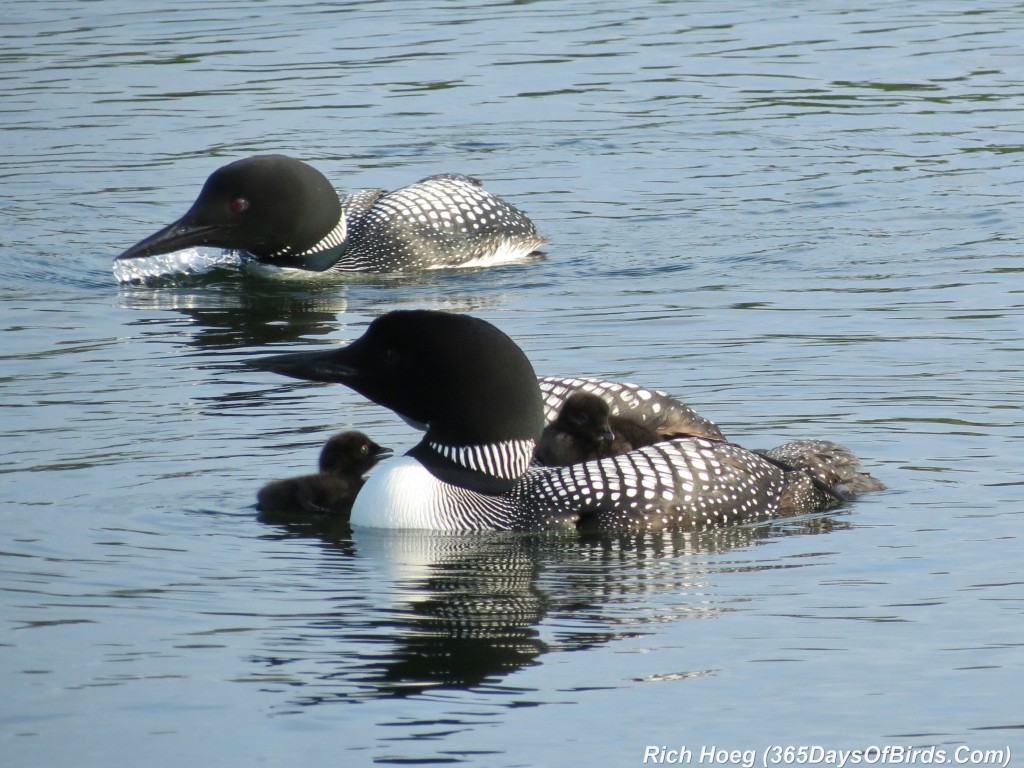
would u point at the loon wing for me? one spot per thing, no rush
(681, 484)
(445, 220)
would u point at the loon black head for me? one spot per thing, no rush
(269, 206)
(468, 382)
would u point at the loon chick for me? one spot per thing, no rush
(285, 213)
(345, 458)
(479, 398)
(585, 429)
(652, 409)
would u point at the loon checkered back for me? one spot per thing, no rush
(440, 221)
(481, 401)
(283, 212)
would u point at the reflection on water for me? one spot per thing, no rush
(467, 610)
(236, 313)
(229, 310)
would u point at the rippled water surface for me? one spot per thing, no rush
(804, 219)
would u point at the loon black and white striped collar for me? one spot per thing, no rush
(332, 239)
(491, 469)
(321, 256)
(508, 460)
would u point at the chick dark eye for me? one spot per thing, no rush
(239, 204)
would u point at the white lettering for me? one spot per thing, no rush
(712, 755)
(656, 755)
(965, 754)
(781, 755)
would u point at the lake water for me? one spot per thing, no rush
(804, 219)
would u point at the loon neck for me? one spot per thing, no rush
(492, 468)
(320, 256)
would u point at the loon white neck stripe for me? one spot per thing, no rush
(507, 460)
(332, 239)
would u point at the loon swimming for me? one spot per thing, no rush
(477, 394)
(345, 458)
(286, 213)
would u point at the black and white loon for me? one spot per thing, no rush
(285, 213)
(477, 395)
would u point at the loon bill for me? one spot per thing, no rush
(285, 213)
(478, 394)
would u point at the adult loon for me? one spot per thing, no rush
(345, 458)
(477, 394)
(285, 213)
(585, 429)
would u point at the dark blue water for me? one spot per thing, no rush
(803, 219)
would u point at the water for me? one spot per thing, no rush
(802, 219)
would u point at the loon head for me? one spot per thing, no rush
(468, 382)
(270, 206)
(350, 453)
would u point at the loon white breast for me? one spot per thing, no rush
(284, 213)
(477, 393)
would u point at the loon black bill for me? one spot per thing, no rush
(175, 237)
(319, 365)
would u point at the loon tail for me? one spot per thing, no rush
(821, 475)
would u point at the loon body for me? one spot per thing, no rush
(284, 213)
(477, 393)
(345, 458)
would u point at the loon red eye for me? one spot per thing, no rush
(239, 204)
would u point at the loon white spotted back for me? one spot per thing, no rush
(285, 213)
(479, 397)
